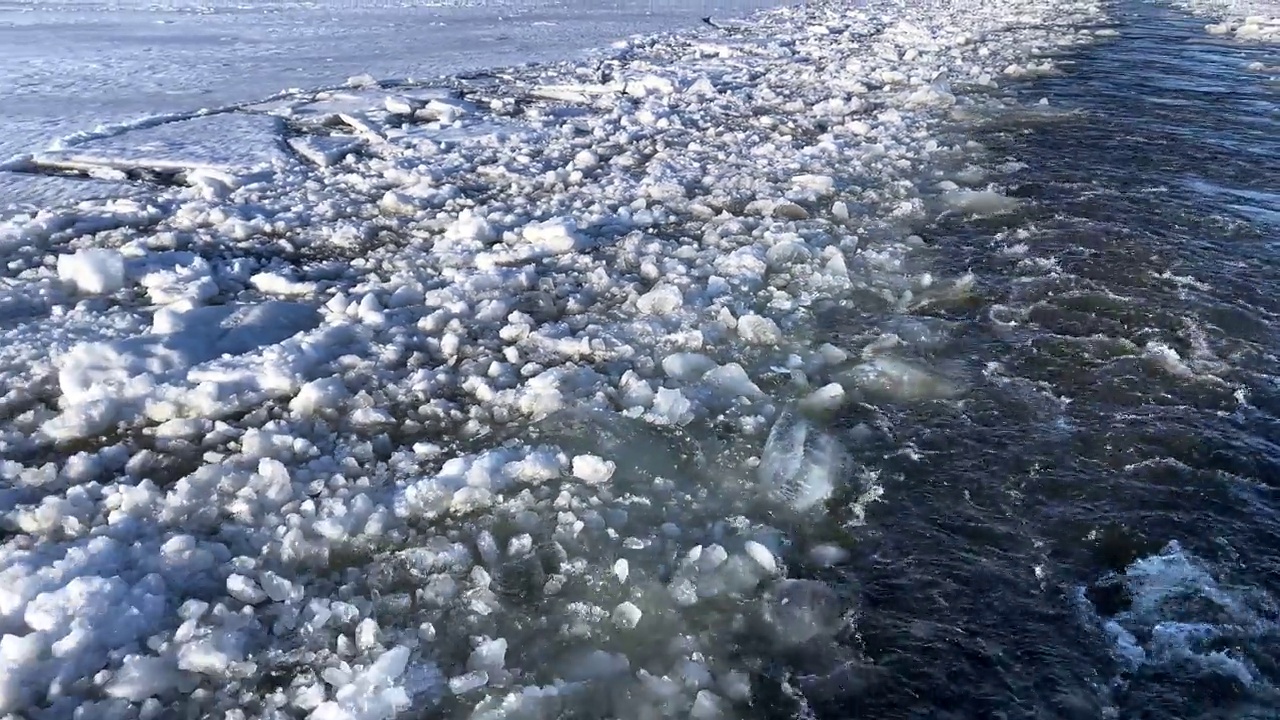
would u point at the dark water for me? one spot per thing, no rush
(1038, 510)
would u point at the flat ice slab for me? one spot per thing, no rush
(236, 144)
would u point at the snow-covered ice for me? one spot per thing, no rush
(498, 379)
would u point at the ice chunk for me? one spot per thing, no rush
(900, 380)
(759, 330)
(663, 299)
(706, 706)
(800, 463)
(979, 202)
(670, 407)
(592, 469)
(400, 105)
(801, 610)
(736, 685)
(467, 682)
(552, 237)
(687, 365)
(142, 677)
(827, 555)
(245, 589)
(489, 656)
(626, 615)
(445, 110)
(367, 634)
(828, 397)
(819, 184)
(196, 148)
(371, 694)
(325, 150)
(93, 271)
(471, 228)
(732, 381)
(423, 682)
(211, 655)
(277, 284)
(103, 382)
(762, 556)
(277, 588)
(323, 394)
(650, 85)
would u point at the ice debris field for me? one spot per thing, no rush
(497, 397)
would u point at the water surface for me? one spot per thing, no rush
(1123, 351)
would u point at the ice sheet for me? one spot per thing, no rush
(236, 146)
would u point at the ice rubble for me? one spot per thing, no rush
(1249, 21)
(362, 436)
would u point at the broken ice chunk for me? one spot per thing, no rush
(663, 299)
(762, 556)
(245, 589)
(706, 706)
(465, 683)
(626, 615)
(687, 366)
(799, 464)
(93, 270)
(592, 469)
(826, 398)
(758, 330)
(979, 202)
(557, 236)
(899, 380)
(826, 555)
(141, 677)
(490, 656)
(400, 105)
(800, 610)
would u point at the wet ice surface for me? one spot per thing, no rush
(770, 370)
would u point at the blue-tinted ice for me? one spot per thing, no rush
(801, 610)
(800, 462)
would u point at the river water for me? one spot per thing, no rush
(1093, 531)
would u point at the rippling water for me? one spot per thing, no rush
(1124, 333)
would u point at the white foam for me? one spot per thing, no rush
(1180, 613)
